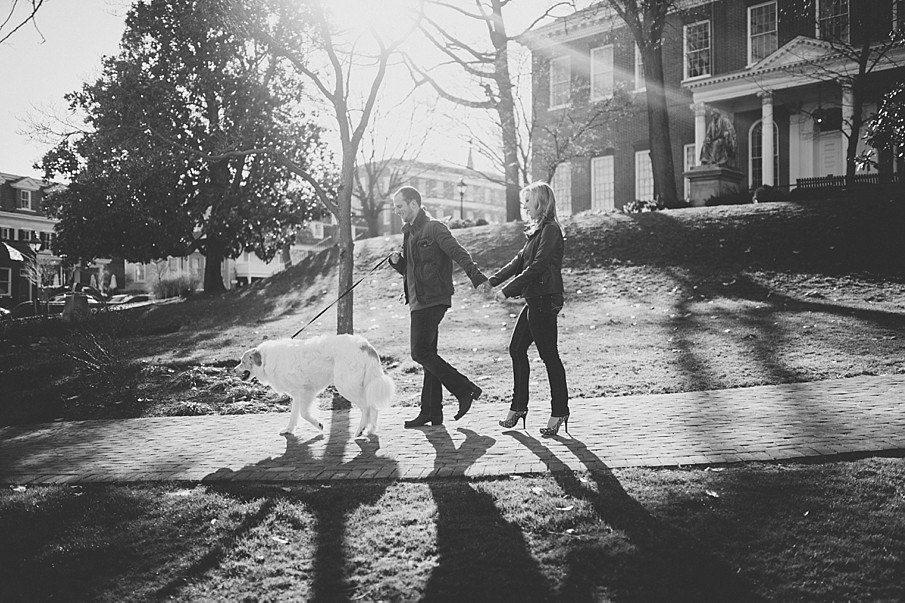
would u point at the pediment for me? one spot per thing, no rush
(797, 51)
(27, 184)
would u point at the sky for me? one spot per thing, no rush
(37, 69)
(35, 75)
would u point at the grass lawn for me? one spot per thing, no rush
(672, 301)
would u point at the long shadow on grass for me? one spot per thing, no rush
(330, 510)
(482, 557)
(717, 269)
(668, 564)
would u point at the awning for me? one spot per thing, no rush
(13, 253)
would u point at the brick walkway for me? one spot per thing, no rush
(825, 418)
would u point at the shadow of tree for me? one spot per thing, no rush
(667, 565)
(482, 557)
(330, 510)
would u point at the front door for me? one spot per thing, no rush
(829, 154)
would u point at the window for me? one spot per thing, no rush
(6, 233)
(602, 73)
(762, 38)
(138, 273)
(560, 86)
(832, 20)
(644, 177)
(6, 282)
(755, 143)
(697, 49)
(317, 229)
(690, 162)
(603, 183)
(562, 189)
(640, 84)
(24, 200)
(898, 14)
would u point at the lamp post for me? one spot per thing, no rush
(461, 187)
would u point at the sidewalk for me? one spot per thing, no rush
(767, 423)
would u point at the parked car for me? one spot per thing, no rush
(4, 313)
(128, 298)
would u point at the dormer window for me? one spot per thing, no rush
(24, 200)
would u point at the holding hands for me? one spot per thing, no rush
(488, 291)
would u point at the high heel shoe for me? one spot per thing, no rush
(511, 420)
(562, 421)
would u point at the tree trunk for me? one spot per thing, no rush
(851, 151)
(344, 318)
(506, 111)
(659, 136)
(213, 261)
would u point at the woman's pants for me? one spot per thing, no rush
(536, 324)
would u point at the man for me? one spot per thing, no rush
(425, 263)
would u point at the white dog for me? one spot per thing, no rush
(303, 369)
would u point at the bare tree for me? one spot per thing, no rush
(294, 27)
(488, 66)
(18, 15)
(383, 166)
(860, 42)
(646, 19)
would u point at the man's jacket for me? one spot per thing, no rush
(433, 249)
(538, 265)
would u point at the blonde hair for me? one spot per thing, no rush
(546, 200)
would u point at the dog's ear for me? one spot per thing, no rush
(256, 358)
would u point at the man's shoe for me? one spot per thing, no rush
(465, 402)
(422, 420)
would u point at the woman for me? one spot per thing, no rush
(536, 273)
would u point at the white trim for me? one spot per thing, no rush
(28, 184)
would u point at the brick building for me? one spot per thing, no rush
(765, 68)
(446, 192)
(25, 230)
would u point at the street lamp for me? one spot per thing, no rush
(461, 187)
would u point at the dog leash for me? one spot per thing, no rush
(321, 313)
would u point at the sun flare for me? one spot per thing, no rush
(390, 19)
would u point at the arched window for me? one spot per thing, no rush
(755, 157)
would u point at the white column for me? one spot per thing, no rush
(766, 112)
(700, 129)
(794, 147)
(848, 111)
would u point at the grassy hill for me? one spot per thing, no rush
(679, 300)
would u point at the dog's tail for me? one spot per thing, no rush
(380, 389)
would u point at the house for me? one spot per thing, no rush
(25, 232)
(781, 79)
(446, 193)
